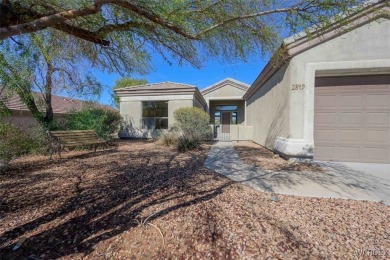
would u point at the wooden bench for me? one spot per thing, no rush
(63, 139)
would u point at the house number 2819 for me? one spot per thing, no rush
(298, 87)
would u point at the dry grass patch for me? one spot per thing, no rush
(258, 156)
(145, 201)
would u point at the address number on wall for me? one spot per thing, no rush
(298, 87)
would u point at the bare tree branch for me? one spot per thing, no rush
(59, 20)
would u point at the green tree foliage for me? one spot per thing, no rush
(50, 45)
(123, 83)
(105, 121)
(193, 122)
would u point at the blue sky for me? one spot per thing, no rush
(212, 72)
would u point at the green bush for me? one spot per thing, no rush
(104, 121)
(168, 137)
(13, 143)
(39, 140)
(194, 123)
(185, 143)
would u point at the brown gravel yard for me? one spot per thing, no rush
(258, 156)
(143, 200)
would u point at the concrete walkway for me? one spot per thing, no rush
(338, 181)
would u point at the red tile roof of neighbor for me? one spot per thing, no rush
(61, 105)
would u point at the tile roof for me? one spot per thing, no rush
(161, 85)
(61, 105)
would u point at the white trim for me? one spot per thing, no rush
(293, 147)
(157, 98)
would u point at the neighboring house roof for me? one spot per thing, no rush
(160, 89)
(61, 105)
(301, 42)
(223, 83)
(156, 86)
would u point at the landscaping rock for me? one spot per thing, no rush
(84, 197)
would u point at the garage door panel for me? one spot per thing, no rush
(351, 101)
(377, 136)
(347, 153)
(325, 118)
(375, 153)
(326, 101)
(348, 135)
(350, 118)
(377, 101)
(352, 121)
(324, 151)
(377, 119)
(325, 135)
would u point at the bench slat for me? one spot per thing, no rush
(73, 131)
(77, 137)
(62, 135)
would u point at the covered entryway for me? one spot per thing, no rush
(352, 119)
(224, 116)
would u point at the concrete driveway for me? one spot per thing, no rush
(340, 180)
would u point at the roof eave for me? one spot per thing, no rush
(225, 82)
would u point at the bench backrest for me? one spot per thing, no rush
(77, 137)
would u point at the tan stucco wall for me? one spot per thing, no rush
(25, 121)
(22, 121)
(225, 91)
(268, 109)
(276, 110)
(197, 103)
(174, 105)
(131, 111)
(241, 133)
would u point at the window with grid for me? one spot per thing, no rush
(155, 115)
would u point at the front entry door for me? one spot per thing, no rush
(226, 122)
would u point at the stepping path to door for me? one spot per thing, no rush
(337, 181)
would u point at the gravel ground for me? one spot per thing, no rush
(143, 200)
(258, 156)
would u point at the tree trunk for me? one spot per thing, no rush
(27, 97)
(48, 118)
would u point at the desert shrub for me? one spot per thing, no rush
(168, 137)
(185, 143)
(194, 123)
(104, 121)
(39, 139)
(13, 143)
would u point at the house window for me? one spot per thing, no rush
(234, 118)
(226, 108)
(217, 118)
(155, 115)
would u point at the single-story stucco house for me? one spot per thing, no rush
(328, 98)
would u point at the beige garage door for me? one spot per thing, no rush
(352, 119)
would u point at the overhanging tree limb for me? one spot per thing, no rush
(63, 20)
(59, 20)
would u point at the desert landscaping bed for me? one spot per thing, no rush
(258, 156)
(143, 200)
